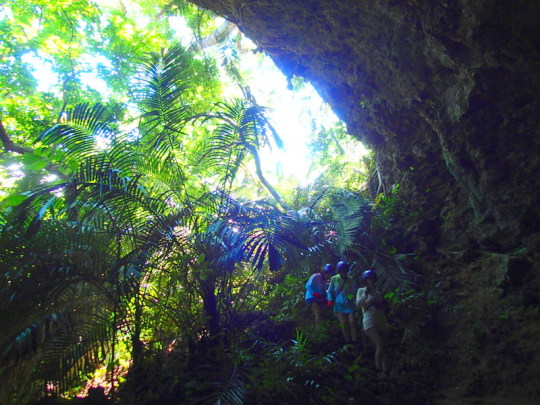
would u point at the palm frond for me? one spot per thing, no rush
(51, 306)
(390, 268)
(350, 217)
(241, 130)
(78, 134)
(163, 80)
(230, 60)
(257, 232)
(347, 216)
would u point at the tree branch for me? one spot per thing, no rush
(9, 145)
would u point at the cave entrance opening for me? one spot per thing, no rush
(313, 135)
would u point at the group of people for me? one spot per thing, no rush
(326, 289)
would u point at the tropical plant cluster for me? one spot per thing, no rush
(130, 239)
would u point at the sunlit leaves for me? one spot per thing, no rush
(32, 161)
(13, 200)
(163, 81)
(79, 131)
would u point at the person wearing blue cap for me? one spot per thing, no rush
(374, 322)
(340, 295)
(316, 291)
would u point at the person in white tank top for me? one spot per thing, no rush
(374, 322)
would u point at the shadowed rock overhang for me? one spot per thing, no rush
(446, 93)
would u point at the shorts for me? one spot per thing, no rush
(377, 321)
(344, 308)
(310, 301)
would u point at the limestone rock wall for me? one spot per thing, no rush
(445, 92)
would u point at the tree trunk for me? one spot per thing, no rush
(210, 306)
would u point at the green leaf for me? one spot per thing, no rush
(13, 200)
(34, 162)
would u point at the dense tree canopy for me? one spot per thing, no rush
(136, 218)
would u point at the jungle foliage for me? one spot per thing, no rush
(127, 238)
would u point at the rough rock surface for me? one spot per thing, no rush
(447, 94)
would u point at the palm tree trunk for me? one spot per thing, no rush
(263, 180)
(210, 306)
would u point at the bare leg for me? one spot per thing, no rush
(352, 327)
(315, 307)
(380, 354)
(344, 326)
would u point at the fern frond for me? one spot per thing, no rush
(227, 388)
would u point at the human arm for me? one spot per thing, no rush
(311, 287)
(309, 282)
(359, 294)
(349, 290)
(363, 301)
(330, 292)
(371, 298)
(321, 298)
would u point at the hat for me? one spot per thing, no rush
(342, 266)
(369, 274)
(328, 268)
